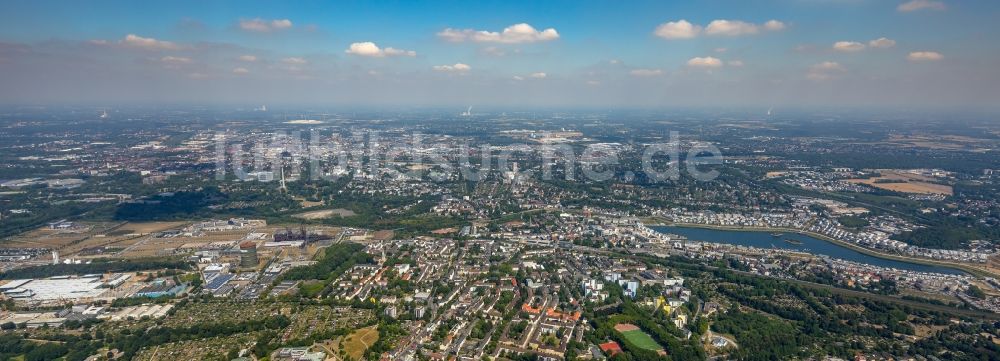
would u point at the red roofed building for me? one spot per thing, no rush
(553, 314)
(532, 310)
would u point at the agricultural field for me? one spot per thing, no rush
(904, 182)
(907, 186)
(944, 142)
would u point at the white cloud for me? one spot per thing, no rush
(705, 62)
(364, 49)
(455, 35)
(136, 41)
(263, 26)
(828, 66)
(736, 63)
(457, 68)
(240, 71)
(248, 58)
(680, 29)
(925, 56)
(514, 34)
(390, 51)
(774, 25)
(593, 82)
(730, 28)
(882, 43)
(914, 5)
(824, 70)
(281, 24)
(294, 61)
(646, 72)
(370, 49)
(538, 75)
(848, 46)
(175, 60)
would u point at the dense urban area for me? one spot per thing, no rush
(253, 234)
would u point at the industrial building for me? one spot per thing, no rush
(160, 288)
(55, 288)
(248, 255)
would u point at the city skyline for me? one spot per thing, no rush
(918, 53)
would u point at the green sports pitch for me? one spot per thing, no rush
(642, 340)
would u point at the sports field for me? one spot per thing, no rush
(635, 336)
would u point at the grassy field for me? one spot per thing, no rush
(642, 339)
(635, 335)
(356, 343)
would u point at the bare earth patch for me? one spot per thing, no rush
(326, 213)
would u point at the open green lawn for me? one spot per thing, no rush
(641, 339)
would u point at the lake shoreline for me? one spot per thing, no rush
(969, 269)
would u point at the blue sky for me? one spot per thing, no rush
(604, 53)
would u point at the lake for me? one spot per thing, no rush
(804, 243)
